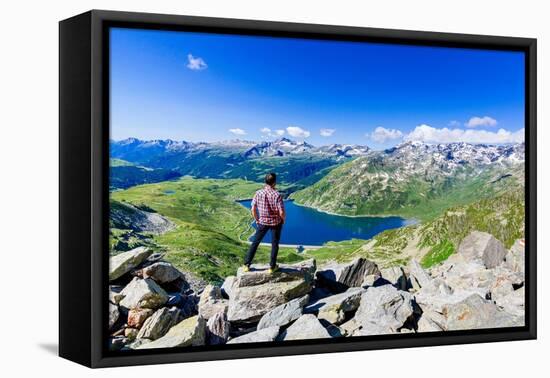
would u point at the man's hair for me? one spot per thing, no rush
(270, 179)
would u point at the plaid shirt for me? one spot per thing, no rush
(268, 202)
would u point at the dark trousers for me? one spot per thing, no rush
(258, 237)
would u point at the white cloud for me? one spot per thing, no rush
(381, 134)
(481, 121)
(266, 131)
(297, 132)
(237, 131)
(327, 132)
(454, 123)
(196, 63)
(425, 133)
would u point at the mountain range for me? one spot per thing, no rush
(294, 161)
(412, 179)
(416, 179)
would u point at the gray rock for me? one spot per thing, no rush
(283, 314)
(191, 331)
(514, 302)
(114, 313)
(211, 302)
(384, 306)
(483, 246)
(124, 262)
(418, 276)
(159, 323)
(436, 286)
(371, 280)
(306, 327)
(350, 326)
(501, 287)
(515, 258)
(227, 286)
(334, 308)
(262, 335)
(431, 321)
(114, 294)
(143, 293)
(259, 275)
(217, 329)
(396, 276)
(137, 343)
(161, 272)
(340, 276)
(255, 293)
(474, 312)
(369, 329)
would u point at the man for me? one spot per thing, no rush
(268, 211)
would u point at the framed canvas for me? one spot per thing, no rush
(235, 188)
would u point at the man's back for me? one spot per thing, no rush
(269, 204)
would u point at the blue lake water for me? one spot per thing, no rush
(307, 226)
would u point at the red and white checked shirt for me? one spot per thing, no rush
(268, 202)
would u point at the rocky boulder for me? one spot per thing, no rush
(161, 272)
(431, 321)
(418, 275)
(384, 306)
(114, 313)
(217, 329)
(257, 292)
(212, 302)
(370, 329)
(227, 286)
(335, 307)
(283, 314)
(474, 312)
(515, 258)
(338, 277)
(188, 332)
(137, 316)
(143, 293)
(124, 262)
(306, 327)
(483, 246)
(114, 294)
(262, 335)
(395, 276)
(159, 323)
(513, 302)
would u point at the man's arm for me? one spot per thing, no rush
(254, 212)
(281, 206)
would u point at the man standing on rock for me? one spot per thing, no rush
(269, 212)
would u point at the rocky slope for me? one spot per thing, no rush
(417, 179)
(154, 305)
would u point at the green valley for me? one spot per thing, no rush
(211, 229)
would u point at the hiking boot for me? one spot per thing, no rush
(245, 268)
(273, 269)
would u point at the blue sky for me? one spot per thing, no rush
(209, 87)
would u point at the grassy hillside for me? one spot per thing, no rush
(369, 187)
(211, 228)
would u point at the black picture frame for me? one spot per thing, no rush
(84, 189)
